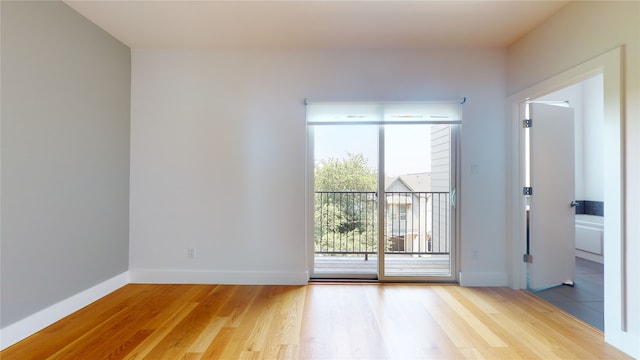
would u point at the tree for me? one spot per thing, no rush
(349, 174)
(345, 212)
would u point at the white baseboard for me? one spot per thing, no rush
(483, 279)
(161, 276)
(43, 318)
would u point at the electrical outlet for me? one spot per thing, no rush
(191, 253)
(475, 254)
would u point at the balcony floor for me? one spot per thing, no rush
(395, 265)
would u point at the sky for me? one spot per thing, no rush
(407, 147)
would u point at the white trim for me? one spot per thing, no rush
(469, 278)
(624, 341)
(455, 183)
(43, 318)
(604, 63)
(610, 65)
(381, 204)
(162, 276)
(310, 201)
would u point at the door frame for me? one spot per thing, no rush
(610, 65)
(454, 211)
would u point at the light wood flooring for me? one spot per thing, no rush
(318, 321)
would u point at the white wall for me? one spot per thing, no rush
(218, 154)
(577, 33)
(593, 144)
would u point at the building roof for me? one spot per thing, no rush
(419, 182)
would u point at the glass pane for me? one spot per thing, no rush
(417, 212)
(346, 207)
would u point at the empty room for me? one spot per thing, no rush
(319, 179)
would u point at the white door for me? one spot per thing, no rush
(552, 215)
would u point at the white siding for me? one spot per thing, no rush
(440, 170)
(440, 155)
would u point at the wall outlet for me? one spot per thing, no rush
(475, 254)
(191, 253)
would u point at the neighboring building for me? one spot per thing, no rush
(418, 205)
(409, 214)
(440, 187)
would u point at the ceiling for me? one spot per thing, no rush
(316, 24)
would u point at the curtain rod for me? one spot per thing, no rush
(547, 101)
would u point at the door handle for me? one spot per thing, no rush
(453, 197)
(575, 203)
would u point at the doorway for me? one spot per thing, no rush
(609, 65)
(574, 255)
(383, 192)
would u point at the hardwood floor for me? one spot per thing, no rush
(323, 321)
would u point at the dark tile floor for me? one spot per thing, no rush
(586, 299)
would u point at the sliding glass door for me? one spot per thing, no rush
(383, 199)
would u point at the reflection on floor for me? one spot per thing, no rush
(586, 299)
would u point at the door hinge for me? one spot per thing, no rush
(527, 190)
(528, 258)
(526, 123)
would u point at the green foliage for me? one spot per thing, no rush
(349, 174)
(346, 213)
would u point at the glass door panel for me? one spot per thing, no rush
(417, 211)
(346, 201)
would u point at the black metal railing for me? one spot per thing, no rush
(416, 223)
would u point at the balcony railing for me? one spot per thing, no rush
(416, 223)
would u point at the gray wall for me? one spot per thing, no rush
(65, 156)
